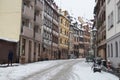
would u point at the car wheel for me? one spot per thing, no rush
(94, 70)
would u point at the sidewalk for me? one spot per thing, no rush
(115, 73)
(6, 65)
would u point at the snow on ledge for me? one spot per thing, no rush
(10, 40)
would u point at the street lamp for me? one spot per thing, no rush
(94, 32)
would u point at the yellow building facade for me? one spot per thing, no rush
(64, 34)
(10, 24)
(10, 19)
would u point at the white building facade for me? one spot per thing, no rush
(113, 31)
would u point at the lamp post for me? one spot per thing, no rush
(94, 32)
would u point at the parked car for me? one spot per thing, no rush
(89, 58)
(97, 68)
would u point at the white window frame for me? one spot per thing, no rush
(110, 21)
(118, 9)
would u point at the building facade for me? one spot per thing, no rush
(30, 37)
(64, 34)
(100, 24)
(84, 34)
(86, 39)
(50, 30)
(113, 31)
(23, 20)
(71, 40)
(81, 41)
(76, 39)
(10, 21)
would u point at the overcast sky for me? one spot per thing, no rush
(83, 8)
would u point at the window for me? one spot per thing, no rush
(111, 50)
(23, 46)
(35, 47)
(61, 41)
(37, 12)
(110, 21)
(61, 20)
(61, 30)
(119, 48)
(30, 49)
(38, 49)
(118, 8)
(30, 25)
(108, 51)
(116, 44)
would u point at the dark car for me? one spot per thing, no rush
(97, 68)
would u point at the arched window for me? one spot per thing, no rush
(111, 50)
(108, 51)
(116, 44)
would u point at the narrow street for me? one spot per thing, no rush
(59, 40)
(72, 69)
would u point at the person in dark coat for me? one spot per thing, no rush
(10, 57)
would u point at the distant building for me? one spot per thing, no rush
(113, 31)
(84, 37)
(64, 34)
(76, 39)
(50, 30)
(71, 41)
(81, 38)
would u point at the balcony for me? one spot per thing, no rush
(64, 46)
(38, 36)
(47, 42)
(28, 12)
(55, 33)
(38, 20)
(55, 45)
(48, 16)
(64, 36)
(27, 32)
(38, 5)
(47, 29)
(54, 21)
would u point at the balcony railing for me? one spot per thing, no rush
(37, 36)
(27, 32)
(38, 20)
(38, 4)
(28, 12)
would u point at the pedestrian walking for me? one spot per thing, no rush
(10, 57)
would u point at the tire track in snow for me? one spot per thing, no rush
(66, 73)
(44, 72)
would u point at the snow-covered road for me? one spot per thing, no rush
(60, 71)
(76, 69)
